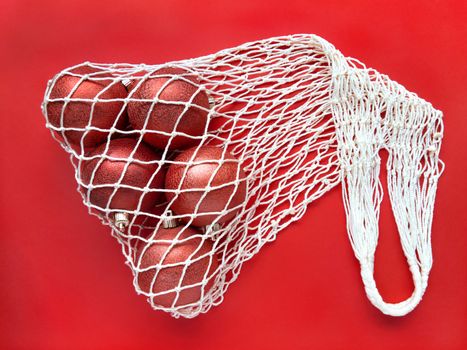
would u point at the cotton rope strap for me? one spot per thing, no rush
(372, 113)
(299, 118)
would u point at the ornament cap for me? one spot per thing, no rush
(212, 228)
(169, 221)
(121, 220)
(126, 82)
(212, 101)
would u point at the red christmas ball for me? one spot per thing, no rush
(170, 277)
(77, 114)
(107, 174)
(198, 176)
(166, 116)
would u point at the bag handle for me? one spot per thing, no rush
(371, 113)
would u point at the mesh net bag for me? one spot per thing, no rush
(196, 164)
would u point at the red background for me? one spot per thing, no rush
(63, 281)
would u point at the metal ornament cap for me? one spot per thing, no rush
(169, 221)
(121, 220)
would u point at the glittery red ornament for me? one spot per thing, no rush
(199, 176)
(108, 173)
(166, 116)
(77, 114)
(169, 278)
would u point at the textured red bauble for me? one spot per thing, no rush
(168, 278)
(166, 116)
(77, 114)
(108, 173)
(199, 176)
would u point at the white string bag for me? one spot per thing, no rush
(299, 117)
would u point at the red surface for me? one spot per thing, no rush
(63, 281)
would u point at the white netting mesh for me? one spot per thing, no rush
(196, 164)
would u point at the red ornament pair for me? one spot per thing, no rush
(205, 184)
(168, 106)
